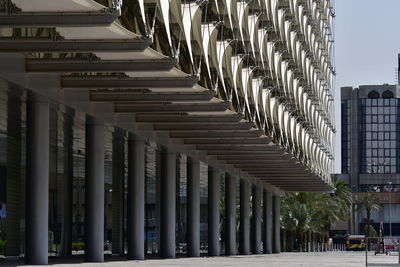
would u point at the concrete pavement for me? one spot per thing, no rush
(325, 259)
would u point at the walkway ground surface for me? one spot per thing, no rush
(326, 259)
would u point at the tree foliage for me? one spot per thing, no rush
(305, 213)
(369, 203)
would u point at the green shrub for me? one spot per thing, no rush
(78, 246)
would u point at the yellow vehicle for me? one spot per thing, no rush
(355, 242)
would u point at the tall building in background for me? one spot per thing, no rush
(371, 150)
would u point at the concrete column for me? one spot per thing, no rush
(244, 244)
(13, 170)
(213, 211)
(276, 206)
(37, 180)
(66, 228)
(168, 204)
(94, 191)
(256, 220)
(193, 207)
(230, 215)
(267, 231)
(135, 205)
(118, 191)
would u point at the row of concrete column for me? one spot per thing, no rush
(251, 232)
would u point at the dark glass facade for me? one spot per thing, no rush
(373, 121)
(378, 121)
(370, 148)
(345, 136)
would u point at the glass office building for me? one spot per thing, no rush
(370, 149)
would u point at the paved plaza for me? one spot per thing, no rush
(326, 259)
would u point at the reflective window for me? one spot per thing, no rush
(378, 135)
(346, 135)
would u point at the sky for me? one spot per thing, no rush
(367, 41)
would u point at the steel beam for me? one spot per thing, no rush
(316, 190)
(105, 81)
(243, 153)
(46, 45)
(202, 126)
(125, 95)
(285, 179)
(235, 141)
(79, 65)
(282, 174)
(298, 188)
(258, 168)
(289, 180)
(62, 19)
(216, 134)
(305, 185)
(244, 147)
(170, 107)
(245, 161)
(184, 117)
(264, 165)
(295, 185)
(279, 178)
(263, 156)
(269, 161)
(309, 182)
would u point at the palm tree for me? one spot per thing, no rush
(295, 218)
(311, 214)
(344, 198)
(369, 203)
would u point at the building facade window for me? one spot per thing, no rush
(345, 136)
(378, 134)
(373, 94)
(387, 94)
